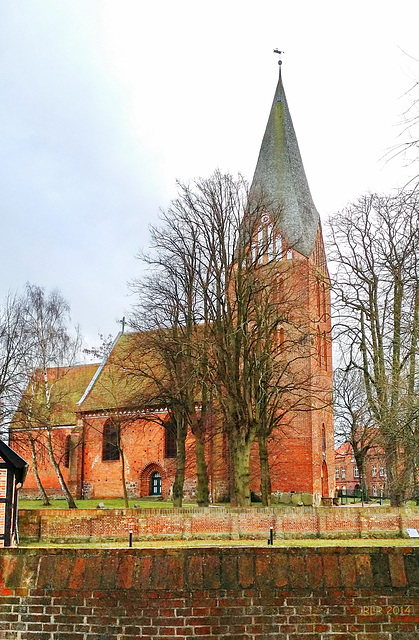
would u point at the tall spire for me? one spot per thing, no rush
(280, 177)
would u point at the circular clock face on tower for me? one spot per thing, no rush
(265, 218)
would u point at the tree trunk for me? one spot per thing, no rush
(67, 494)
(180, 462)
(123, 478)
(360, 463)
(265, 476)
(202, 494)
(240, 448)
(396, 492)
(45, 500)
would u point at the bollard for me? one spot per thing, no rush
(130, 539)
(271, 536)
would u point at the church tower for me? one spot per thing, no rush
(302, 450)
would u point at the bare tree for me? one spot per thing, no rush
(218, 298)
(353, 420)
(14, 347)
(171, 309)
(52, 352)
(376, 249)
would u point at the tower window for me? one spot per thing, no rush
(110, 444)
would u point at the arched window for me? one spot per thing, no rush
(155, 484)
(110, 443)
(170, 448)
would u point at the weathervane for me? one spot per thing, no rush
(279, 61)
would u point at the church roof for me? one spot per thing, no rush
(67, 386)
(280, 178)
(121, 379)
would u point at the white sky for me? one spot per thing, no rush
(105, 103)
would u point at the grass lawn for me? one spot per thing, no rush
(116, 503)
(176, 544)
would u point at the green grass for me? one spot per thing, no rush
(176, 544)
(116, 503)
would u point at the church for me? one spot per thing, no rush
(92, 454)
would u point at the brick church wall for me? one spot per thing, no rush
(184, 594)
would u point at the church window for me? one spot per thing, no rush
(170, 440)
(382, 472)
(67, 451)
(356, 472)
(289, 254)
(323, 438)
(110, 445)
(343, 473)
(337, 473)
(374, 470)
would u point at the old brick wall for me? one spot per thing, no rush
(239, 594)
(189, 523)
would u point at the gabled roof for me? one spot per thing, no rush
(118, 382)
(280, 178)
(67, 385)
(12, 459)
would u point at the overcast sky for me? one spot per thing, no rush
(104, 104)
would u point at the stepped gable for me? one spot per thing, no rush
(281, 180)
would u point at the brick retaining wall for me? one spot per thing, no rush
(229, 593)
(303, 522)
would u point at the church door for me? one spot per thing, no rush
(155, 488)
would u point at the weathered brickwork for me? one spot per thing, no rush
(184, 594)
(215, 522)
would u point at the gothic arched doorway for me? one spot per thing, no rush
(151, 480)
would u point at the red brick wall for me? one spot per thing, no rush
(301, 522)
(184, 594)
(20, 443)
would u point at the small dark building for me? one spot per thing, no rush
(13, 471)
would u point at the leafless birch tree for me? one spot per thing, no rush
(375, 244)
